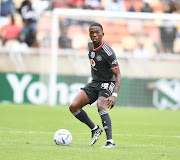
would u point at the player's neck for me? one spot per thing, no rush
(96, 45)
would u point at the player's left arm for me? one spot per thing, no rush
(112, 99)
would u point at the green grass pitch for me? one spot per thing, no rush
(26, 133)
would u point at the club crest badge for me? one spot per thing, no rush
(99, 58)
(92, 54)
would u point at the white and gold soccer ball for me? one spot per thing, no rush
(63, 137)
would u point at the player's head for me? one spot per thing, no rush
(96, 24)
(96, 32)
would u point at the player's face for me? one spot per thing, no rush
(96, 34)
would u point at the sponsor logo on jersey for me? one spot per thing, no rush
(99, 58)
(92, 54)
(93, 63)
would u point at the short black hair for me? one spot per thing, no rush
(96, 24)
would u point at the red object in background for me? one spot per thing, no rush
(11, 31)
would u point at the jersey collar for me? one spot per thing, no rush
(98, 47)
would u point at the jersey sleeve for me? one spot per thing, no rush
(110, 57)
(113, 61)
(90, 45)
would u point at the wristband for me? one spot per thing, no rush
(114, 94)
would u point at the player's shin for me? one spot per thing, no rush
(83, 117)
(106, 121)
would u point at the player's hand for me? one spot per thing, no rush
(110, 102)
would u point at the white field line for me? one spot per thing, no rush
(126, 135)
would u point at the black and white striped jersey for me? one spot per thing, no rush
(102, 60)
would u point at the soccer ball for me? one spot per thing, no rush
(63, 137)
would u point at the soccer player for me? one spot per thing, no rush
(104, 87)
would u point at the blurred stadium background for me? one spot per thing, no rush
(43, 41)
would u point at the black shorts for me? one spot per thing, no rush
(96, 89)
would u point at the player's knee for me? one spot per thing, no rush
(101, 104)
(73, 108)
(101, 107)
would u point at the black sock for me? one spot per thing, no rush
(106, 121)
(83, 117)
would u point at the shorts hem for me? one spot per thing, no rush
(87, 96)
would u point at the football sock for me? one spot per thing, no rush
(106, 121)
(83, 117)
